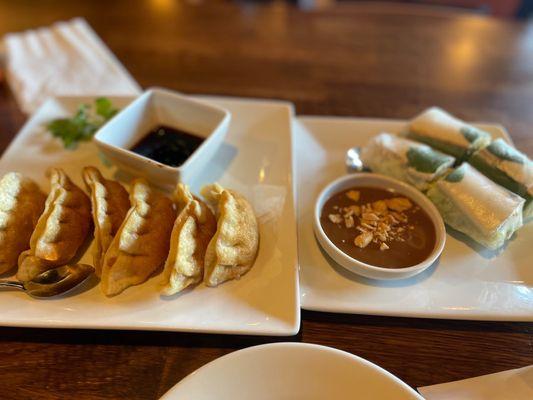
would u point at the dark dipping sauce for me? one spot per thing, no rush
(167, 145)
(418, 241)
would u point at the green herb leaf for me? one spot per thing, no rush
(104, 108)
(83, 125)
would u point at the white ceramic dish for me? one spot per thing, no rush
(157, 107)
(383, 182)
(467, 282)
(290, 371)
(255, 159)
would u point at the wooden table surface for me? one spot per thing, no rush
(353, 60)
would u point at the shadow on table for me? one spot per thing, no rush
(139, 338)
(415, 323)
(167, 339)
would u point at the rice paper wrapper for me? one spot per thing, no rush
(508, 167)
(474, 205)
(446, 133)
(405, 160)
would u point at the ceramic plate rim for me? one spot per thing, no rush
(248, 351)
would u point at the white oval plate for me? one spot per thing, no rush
(294, 371)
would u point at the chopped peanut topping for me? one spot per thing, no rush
(379, 207)
(363, 239)
(370, 217)
(353, 210)
(399, 204)
(349, 222)
(353, 195)
(379, 222)
(335, 218)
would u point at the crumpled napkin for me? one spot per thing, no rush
(515, 384)
(67, 58)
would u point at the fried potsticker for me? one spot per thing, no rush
(233, 250)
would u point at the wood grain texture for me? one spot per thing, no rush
(354, 60)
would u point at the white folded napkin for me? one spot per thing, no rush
(67, 58)
(515, 384)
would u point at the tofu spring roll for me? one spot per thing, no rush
(473, 204)
(406, 160)
(446, 133)
(508, 167)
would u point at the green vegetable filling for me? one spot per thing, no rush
(426, 160)
(449, 148)
(506, 152)
(457, 175)
(486, 165)
(472, 134)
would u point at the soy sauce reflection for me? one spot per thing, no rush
(167, 145)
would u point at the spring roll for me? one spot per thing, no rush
(406, 160)
(508, 167)
(471, 203)
(446, 133)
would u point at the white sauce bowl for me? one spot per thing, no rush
(382, 182)
(153, 108)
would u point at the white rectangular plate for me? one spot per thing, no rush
(465, 284)
(255, 160)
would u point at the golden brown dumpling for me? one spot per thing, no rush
(193, 228)
(109, 204)
(30, 266)
(142, 241)
(62, 227)
(21, 203)
(233, 249)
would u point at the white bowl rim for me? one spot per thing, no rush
(440, 230)
(295, 345)
(153, 91)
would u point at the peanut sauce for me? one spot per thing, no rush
(410, 237)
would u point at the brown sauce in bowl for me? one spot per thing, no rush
(378, 227)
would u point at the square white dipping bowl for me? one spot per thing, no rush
(154, 108)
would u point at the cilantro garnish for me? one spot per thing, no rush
(83, 125)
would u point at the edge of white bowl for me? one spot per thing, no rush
(259, 348)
